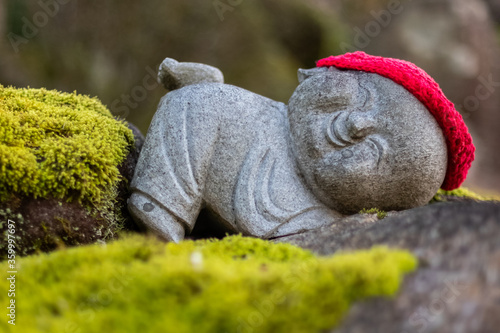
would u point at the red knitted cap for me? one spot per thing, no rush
(427, 91)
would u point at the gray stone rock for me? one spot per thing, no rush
(456, 288)
(349, 140)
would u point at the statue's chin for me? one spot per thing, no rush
(350, 195)
(352, 188)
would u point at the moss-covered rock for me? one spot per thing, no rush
(458, 250)
(59, 168)
(461, 194)
(138, 284)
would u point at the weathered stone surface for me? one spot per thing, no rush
(348, 140)
(457, 287)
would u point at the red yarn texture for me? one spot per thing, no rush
(427, 91)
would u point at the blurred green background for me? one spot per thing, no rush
(112, 49)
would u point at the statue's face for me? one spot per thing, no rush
(363, 141)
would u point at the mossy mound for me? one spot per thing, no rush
(59, 167)
(138, 284)
(59, 145)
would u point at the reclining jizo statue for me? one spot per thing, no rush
(358, 132)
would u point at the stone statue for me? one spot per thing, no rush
(347, 140)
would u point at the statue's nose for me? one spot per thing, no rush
(360, 124)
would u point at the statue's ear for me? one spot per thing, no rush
(307, 73)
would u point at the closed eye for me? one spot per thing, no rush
(335, 131)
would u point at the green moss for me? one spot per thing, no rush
(60, 145)
(461, 192)
(380, 213)
(138, 284)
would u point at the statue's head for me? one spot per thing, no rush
(362, 140)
